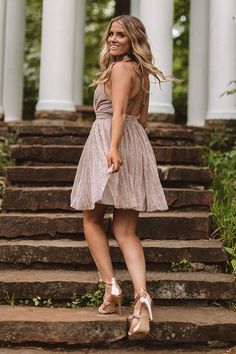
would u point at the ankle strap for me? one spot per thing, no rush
(143, 292)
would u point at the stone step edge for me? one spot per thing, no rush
(169, 173)
(70, 326)
(61, 284)
(136, 348)
(30, 224)
(64, 251)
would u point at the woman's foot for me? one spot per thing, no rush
(112, 298)
(139, 322)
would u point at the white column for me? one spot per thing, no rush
(198, 62)
(56, 91)
(135, 8)
(14, 60)
(157, 16)
(222, 59)
(79, 51)
(2, 47)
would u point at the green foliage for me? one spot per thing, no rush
(98, 15)
(232, 253)
(180, 57)
(88, 299)
(231, 91)
(223, 211)
(4, 162)
(4, 154)
(184, 265)
(32, 56)
(10, 299)
(38, 302)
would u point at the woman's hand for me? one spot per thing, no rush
(115, 159)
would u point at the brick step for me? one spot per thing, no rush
(58, 198)
(164, 225)
(71, 154)
(61, 326)
(61, 284)
(65, 174)
(70, 252)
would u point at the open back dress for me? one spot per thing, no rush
(136, 185)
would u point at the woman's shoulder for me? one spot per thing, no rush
(122, 67)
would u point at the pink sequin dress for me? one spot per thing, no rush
(136, 185)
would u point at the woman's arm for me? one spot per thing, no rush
(121, 85)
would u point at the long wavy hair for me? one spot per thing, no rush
(140, 52)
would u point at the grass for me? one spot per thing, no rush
(4, 161)
(223, 211)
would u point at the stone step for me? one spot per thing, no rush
(70, 252)
(61, 326)
(71, 154)
(66, 174)
(80, 140)
(81, 130)
(58, 198)
(127, 349)
(164, 225)
(61, 284)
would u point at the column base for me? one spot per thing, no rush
(220, 123)
(162, 117)
(59, 115)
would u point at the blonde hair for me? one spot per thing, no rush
(140, 52)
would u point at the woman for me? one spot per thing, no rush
(118, 167)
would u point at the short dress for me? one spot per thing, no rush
(136, 185)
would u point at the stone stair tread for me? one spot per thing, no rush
(71, 153)
(153, 214)
(66, 173)
(60, 284)
(32, 275)
(66, 251)
(65, 243)
(58, 198)
(168, 224)
(78, 129)
(134, 349)
(66, 188)
(171, 324)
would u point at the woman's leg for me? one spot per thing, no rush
(124, 229)
(97, 240)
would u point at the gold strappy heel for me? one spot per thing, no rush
(142, 328)
(108, 307)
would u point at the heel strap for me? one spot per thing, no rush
(143, 293)
(105, 282)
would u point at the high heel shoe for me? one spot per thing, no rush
(142, 328)
(109, 306)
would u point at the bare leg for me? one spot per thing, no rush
(124, 229)
(97, 240)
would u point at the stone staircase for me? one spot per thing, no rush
(43, 252)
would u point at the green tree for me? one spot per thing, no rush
(32, 56)
(180, 57)
(97, 17)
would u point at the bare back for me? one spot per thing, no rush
(139, 98)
